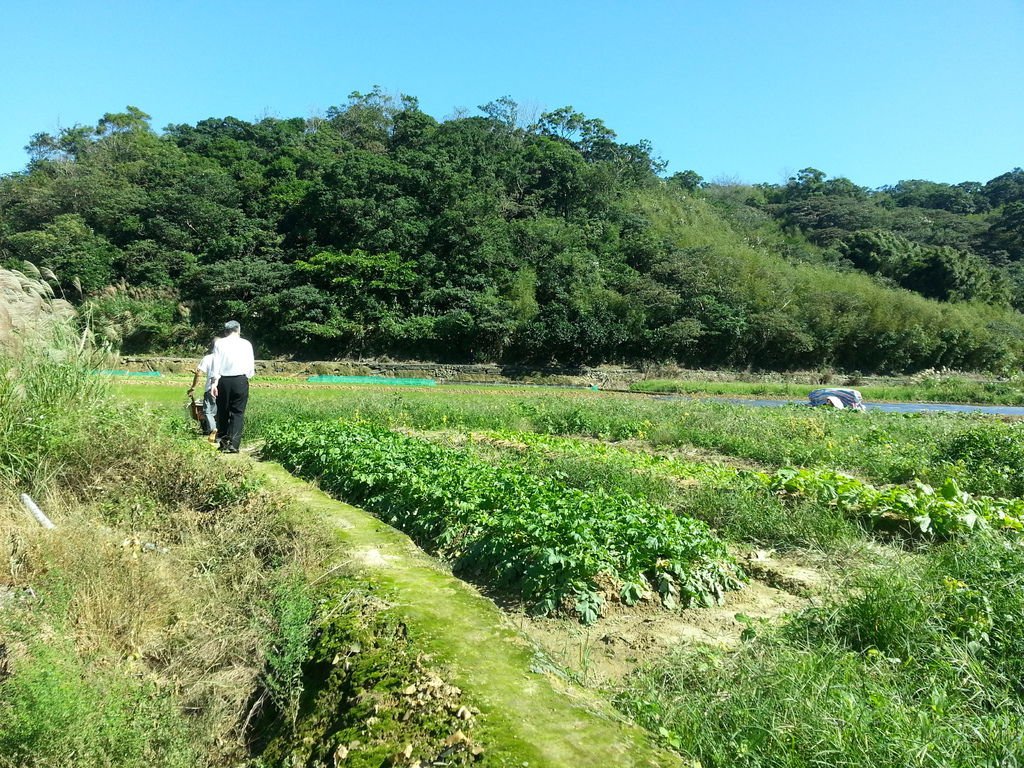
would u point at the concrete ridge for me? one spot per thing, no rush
(527, 716)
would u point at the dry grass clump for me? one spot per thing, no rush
(167, 567)
(144, 627)
(28, 308)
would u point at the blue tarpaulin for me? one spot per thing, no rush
(839, 397)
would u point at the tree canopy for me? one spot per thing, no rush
(377, 229)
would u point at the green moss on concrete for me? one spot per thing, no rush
(368, 695)
(526, 716)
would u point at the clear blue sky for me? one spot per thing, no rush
(752, 90)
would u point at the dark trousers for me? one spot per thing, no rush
(232, 397)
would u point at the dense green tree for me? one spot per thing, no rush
(937, 227)
(366, 121)
(364, 287)
(826, 219)
(1005, 188)
(688, 180)
(1006, 233)
(939, 272)
(960, 198)
(81, 260)
(376, 229)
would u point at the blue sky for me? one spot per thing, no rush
(734, 89)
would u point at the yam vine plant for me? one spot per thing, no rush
(944, 511)
(555, 547)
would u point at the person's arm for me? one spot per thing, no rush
(250, 363)
(195, 379)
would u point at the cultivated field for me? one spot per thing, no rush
(757, 587)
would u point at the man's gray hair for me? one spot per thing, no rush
(232, 325)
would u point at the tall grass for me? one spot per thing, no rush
(776, 706)
(916, 664)
(144, 628)
(58, 419)
(59, 708)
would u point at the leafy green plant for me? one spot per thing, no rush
(990, 454)
(943, 511)
(550, 544)
(57, 706)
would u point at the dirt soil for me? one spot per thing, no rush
(627, 638)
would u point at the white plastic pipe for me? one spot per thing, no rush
(37, 513)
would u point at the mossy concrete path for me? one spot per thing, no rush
(526, 717)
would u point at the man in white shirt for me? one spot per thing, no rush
(233, 366)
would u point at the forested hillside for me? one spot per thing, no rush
(376, 229)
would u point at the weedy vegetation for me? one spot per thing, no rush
(909, 656)
(170, 617)
(915, 664)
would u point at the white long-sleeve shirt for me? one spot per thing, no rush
(232, 356)
(206, 366)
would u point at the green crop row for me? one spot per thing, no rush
(943, 511)
(714, 474)
(983, 454)
(555, 547)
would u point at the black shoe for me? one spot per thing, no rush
(228, 449)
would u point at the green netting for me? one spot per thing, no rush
(372, 380)
(113, 372)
